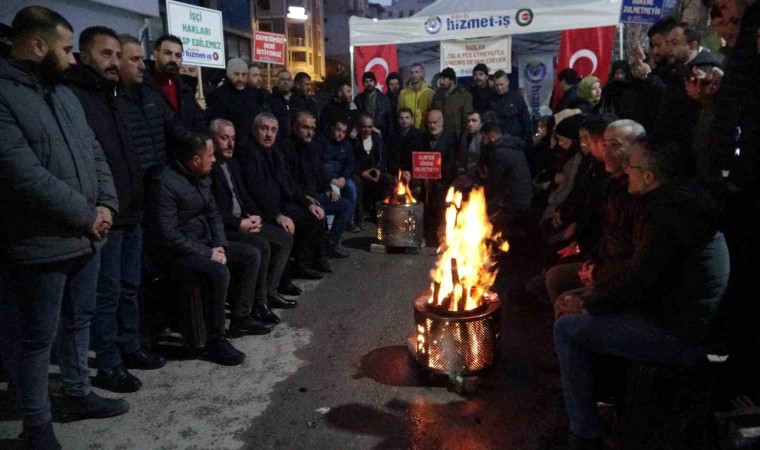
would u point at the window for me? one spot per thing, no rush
(390, 14)
(298, 56)
(264, 4)
(265, 26)
(237, 46)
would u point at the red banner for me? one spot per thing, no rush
(268, 47)
(378, 59)
(588, 51)
(426, 165)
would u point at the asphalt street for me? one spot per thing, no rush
(336, 374)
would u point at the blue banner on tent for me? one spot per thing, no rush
(641, 11)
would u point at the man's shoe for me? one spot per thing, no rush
(353, 228)
(275, 301)
(143, 360)
(93, 406)
(291, 289)
(307, 274)
(222, 352)
(40, 437)
(569, 441)
(241, 326)
(321, 265)
(337, 252)
(117, 379)
(264, 314)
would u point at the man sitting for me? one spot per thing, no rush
(243, 223)
(185, 235)
(338, 163)
(305, 163)
(273, 189)
(661, 306)
(373, 182)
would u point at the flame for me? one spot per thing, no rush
(465, 270)
(402, 195)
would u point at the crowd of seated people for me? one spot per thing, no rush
(114, 176)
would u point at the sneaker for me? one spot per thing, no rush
(223, 353)
(40, 437)
(143, 360)
(117, 379)
(241, 326)
(93, 406)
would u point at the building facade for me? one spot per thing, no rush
(404, 8)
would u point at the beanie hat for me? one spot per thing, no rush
(369, 76)
(570, 127)
(449, 73)
(235, 65)
(480, 67)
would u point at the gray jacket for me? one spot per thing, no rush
(53, 172)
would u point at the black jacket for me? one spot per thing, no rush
(679, 270)
(481, 98)
(223, 194)
(106, 116)
(188, 112)
(305, 163)
(181, 215)
(337, 157)
(239, 107)
(569, 98)
(614, 248)
(152, 124)
(514, 116)
(376, 159)
(382, 114)
(281, 108)
(638, 100)
(447, 145)
(508, 184)
(301, 102)
(268, 180)
(400, 148)
(335, 110)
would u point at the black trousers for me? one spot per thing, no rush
(310, 232)
(368, 193)
(275, 245)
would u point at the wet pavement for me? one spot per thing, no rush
(337, 375)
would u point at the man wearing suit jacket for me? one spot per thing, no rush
(243, 223)
(280, 199)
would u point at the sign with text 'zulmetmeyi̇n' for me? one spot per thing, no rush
(201, 32)
(641, 11)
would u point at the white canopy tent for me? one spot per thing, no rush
(532, 23)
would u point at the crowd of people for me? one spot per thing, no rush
(116, 180)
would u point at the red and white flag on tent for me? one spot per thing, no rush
(588, 51)
(378, 59)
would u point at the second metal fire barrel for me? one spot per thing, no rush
(400, 225)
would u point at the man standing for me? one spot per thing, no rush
(568, 84)
(393, 86)
(469, 144)
(163, 75)
(302, 96)
(339, 108)
(281, 103)
(454, 101)
(374, 103)
(235, 100)
(59, 201)
(185, 235)
(281, 200)
(116, 323)
(305, 161)
(513, 112)
(401, 145)
(243, 223)
(417, 96)
(480, 90)
(254, 81)
(661, 306)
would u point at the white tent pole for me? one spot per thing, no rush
(353, 76)
(620, 33)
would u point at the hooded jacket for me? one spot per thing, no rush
(418, 100)
(106, 116)
(53, 172)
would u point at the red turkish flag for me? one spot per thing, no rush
(588, 51)
(378, 59)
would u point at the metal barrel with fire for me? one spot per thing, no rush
(399, 218)
(457, 322)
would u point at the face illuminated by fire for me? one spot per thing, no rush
(465, 269)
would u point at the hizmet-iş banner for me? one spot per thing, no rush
(201, 32)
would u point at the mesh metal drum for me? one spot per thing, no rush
(400, 225)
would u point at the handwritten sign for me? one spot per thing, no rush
(201, 33)
(426, 165)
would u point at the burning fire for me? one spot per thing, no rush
(402, 195)
(465, 271)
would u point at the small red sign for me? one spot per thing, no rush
(269, 47)
(426, 165)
